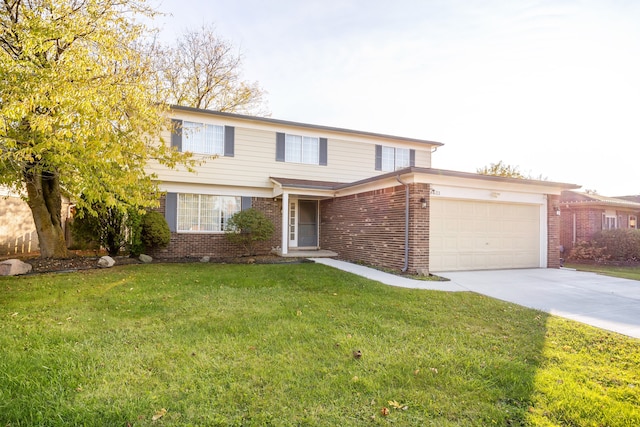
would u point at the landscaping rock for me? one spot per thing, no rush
(145, 258)
(14, 267)
(106, 262)
(205, 259)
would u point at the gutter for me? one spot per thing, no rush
(406, 224)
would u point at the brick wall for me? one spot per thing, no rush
(553, 232)
(369, 227)
(216, 245)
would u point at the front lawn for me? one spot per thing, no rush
(625, 272)
(254, 345)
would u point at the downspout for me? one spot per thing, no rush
(406, 224)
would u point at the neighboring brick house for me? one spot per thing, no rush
(584, 214)
(368, 197)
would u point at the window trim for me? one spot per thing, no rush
(320, 158)
(382, 161)
(228, 137)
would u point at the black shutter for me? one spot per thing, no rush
(176, 134)
(323, 152)
(245, 203)
(171, 210)
(412, 158)
(378, 157)
(279, 147)
(229, 138)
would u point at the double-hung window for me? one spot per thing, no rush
(203, 138)
(390, 159)
(633, 221)
(301, 149)
(205, 213)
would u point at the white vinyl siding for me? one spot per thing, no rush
(205, 213)
(202, 138)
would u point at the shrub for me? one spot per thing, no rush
(103, 226)
(620, 245)
(154, 232)
(248, 227)
(586, 250)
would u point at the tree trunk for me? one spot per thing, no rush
(45, 201)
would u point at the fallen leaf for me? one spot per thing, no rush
(159, 414)
(384, 411)
(394, 404)
(298, 313)
(14, 314)
(434, 370)
(416, 372)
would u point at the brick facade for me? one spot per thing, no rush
(553, 232)
(370, 227)
(187, 245)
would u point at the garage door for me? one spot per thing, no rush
(473, 235)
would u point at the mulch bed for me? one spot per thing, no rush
(89, 262)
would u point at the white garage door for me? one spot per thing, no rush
(473, 235)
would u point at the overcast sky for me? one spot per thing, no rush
(550, 86)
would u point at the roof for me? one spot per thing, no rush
(579, 198)
(327, 185)
(304, 125)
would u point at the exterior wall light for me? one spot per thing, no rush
(424, 202)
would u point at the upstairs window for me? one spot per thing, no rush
(203, 138)
(389, 159)
(301, 149)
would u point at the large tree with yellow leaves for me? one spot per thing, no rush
(77, 117)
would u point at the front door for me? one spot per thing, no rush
(307, 223)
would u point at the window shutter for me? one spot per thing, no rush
(322, 160)
(176, 134)
(245, 203)
(378, 157)
(279, 147)
(229, 140)
(171, 210)
(412, 158)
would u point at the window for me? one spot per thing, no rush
(205, 213)
(609, 221)
(301, 149)
(633, 221)
(202, 138)
(389, 159)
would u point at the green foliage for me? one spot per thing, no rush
(248, 227)
(273, 345)
(106, 227)
(77, 111)
(155, 231)
(618, 244)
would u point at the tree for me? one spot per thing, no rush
(501, 169)
(77, 114)
(203, 71)
(248, 227)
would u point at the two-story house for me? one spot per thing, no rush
(368, 197)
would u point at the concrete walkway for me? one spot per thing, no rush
(604, 302)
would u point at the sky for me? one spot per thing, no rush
(550, 86)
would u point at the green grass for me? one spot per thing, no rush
(609, 270)
(258, 345)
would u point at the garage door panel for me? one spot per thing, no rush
(473, 235)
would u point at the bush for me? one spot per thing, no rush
(620, 245)
(106, 226)
(155, 232)
(248, 227)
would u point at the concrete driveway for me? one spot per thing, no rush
(601, 301)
